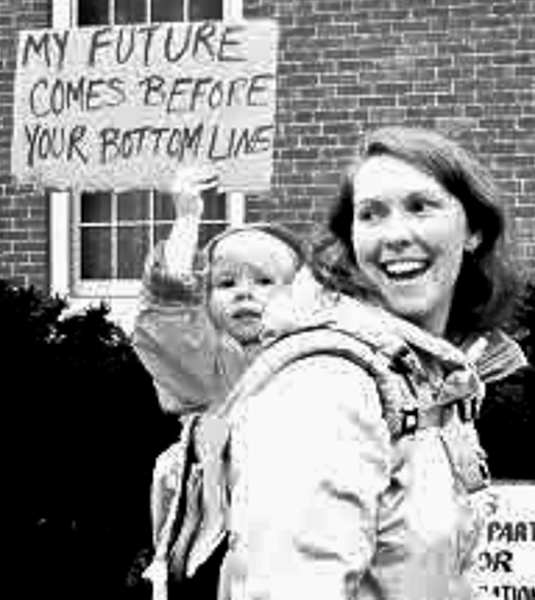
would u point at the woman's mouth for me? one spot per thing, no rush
(404, 270)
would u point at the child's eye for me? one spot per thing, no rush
(265, 280)
(224, 283)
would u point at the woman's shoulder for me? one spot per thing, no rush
(304, 377)
(328, 368)
(496, 355)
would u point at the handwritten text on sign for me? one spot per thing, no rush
(506, 562)
(123, 107)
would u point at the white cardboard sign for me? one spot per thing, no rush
(506, 563)
(124, 107)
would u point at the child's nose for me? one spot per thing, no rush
(244, 288)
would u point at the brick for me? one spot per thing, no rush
(345, 66)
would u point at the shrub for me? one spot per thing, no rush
(507, 418)
(525, 320)
(87, 428)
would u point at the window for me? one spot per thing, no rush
(99, 239)
(114, 232)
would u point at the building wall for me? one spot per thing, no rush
(23, 212)
(466, 66)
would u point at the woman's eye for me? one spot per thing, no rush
(365, 215)
(369, 212)
(418, 204)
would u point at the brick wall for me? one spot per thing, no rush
(23, 217)
(467, 66)
(345, 65)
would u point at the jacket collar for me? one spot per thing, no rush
(488, 357)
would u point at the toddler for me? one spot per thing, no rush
(196, 332)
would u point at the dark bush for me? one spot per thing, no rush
(525, 321)
(85, 429)
(507, 420)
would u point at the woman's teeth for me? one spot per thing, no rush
(405, 269)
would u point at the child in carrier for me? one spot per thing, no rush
(195, 332)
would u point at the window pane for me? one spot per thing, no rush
(205, 9)
(214, 205)
(93, 12)
(207, 232)
(130, 11)
(96, 253)
(163, 207)
(167, 10)
(161, 232)
(133, 246)
(96, 207)
(133, 206)
(115, 231)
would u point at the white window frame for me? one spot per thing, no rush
(121, 296)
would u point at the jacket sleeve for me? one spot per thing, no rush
(176, 340)
(313, 455)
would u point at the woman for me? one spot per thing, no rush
(359, 482)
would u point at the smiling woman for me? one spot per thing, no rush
(409, 192)
(375, 485)
(409, 237)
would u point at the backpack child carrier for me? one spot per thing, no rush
(190, 525)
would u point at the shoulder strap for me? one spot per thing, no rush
(409, 402)
(171, 520)
(394, 384)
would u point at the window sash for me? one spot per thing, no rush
(65, 232)
(124, 286)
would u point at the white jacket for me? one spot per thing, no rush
(326, 505)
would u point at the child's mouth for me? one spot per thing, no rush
(246, 315)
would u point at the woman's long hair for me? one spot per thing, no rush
(486, 288)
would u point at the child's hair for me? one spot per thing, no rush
(276, 230)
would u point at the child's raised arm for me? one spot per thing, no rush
(181, 246)
(173, 334)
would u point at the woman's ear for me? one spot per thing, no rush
(472, 242)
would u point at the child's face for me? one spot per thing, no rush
(249, 268)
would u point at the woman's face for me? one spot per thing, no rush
(409, 236)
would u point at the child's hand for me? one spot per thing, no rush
(187, 188)
(180, 247)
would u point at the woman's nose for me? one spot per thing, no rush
(397, 231)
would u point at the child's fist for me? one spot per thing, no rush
(187, 187)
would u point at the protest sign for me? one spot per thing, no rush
(505, 567)
(123, 107)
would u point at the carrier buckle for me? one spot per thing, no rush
(409, 421)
